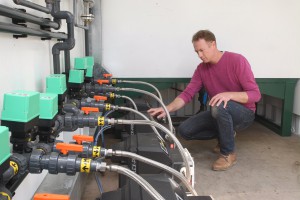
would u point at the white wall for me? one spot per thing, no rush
(25, 62)
(153, 38)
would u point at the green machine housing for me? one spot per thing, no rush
(20, 114)
(57, 84)
(87, 65)
(47, 117)
(5, 149)
(75, 83)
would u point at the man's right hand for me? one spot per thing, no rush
(159, 112)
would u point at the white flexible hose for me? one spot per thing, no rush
(169, 133)
(157, 164)
(130, 99)
(143, 116)
(138, 179)
(155, 97)
(144, 83)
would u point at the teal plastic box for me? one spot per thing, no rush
(21, 106)
(89, 72)
(4, 144)
(76, 76)
(90, 61)
(90, 66)
(48, 105)
(80, 63)
(56, 83)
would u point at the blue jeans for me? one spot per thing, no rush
(219, 123)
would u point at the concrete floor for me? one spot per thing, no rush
(268, 167)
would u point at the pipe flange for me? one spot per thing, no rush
(34, 161)
(53, 160)
(68, 122)
(85, 151)
(71, 165)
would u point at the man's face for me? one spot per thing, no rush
(205, 50)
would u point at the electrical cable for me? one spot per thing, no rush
(108, 113)
(101, 132)
(99, 184)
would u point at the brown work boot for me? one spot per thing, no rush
(216, 149)
(224, 162)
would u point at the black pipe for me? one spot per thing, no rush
(16, 14)
(87, 44)
(8, 174)
(67, 61)
(17, 29)
(32, 5)
(69, 43)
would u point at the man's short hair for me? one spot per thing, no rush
(207, 35)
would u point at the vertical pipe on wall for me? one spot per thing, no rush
(87, 41)
(95, 34)
(69, 43)
(67, 61)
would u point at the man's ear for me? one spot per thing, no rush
(213, 43)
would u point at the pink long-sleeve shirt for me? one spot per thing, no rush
(231, 74)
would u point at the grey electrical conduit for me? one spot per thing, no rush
(17, 29)
(32, 6)
(143, 116)
(155, 164)
(17, 14)
(137, 178)
(169, 133)
(156, 98)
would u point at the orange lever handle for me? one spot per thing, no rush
(80, 138)
(107, 75)
(65, 148)
(99, 98)
(100, 81)
(87, 110)
(47, 196)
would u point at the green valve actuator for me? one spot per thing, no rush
(57, 84)
(5, 149)
(21, 114)
(47, 118)
(86, 64)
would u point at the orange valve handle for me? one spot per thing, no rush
(65, 148)
(107, 75)
(100, 81)
(47, 196)
(99, 98)
(87, 110)
(80, 138)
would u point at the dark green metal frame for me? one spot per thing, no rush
(282, 88)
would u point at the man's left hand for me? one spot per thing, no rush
(219, 98)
